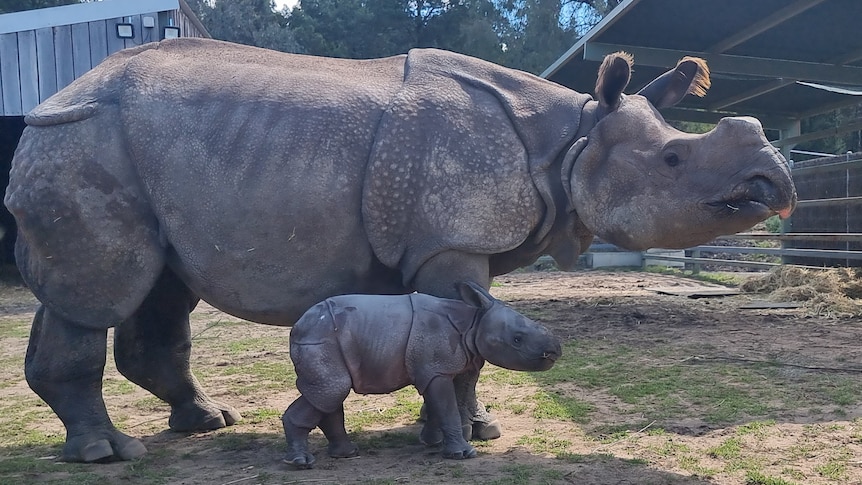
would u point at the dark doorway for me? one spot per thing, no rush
(11, 128)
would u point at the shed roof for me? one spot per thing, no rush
(778, 60)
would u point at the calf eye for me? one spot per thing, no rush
(517, 340)
(672, 159)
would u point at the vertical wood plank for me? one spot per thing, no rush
(2, 111)
(63, 56)
(9, 70)
(115, 43)
(46, 63)
(98, 42)
(28, 70)
(81, 48)
(135, 20)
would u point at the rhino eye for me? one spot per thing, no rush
(672, 159)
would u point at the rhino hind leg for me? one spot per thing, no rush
(73, 387)
(152, 349)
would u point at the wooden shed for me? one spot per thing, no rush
(44, 50)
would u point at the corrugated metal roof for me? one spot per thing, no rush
(81, 12)
(778, 60)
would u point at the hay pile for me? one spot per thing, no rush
(834, 291)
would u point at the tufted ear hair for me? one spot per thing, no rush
(614, 75)
(475, 295)
(690, 76)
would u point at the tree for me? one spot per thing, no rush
(250, 22)
(9, 6)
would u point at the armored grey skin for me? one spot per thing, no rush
(377, 344)
(264, 182)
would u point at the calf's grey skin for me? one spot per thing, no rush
(377, 344)
(264, 182)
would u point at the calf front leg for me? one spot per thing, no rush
(64, 366)
(438, 277)
(443, 411)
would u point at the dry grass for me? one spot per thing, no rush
(834, 291)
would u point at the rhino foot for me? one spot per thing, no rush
(460, 452)
(202, 416)
(486, 430)
(343, 450)
(300, 460)
(102, 447)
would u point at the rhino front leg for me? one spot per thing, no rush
(438, 277)
(152, 349)
(332, 425)
(64, 366)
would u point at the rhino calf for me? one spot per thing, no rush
(376, 344)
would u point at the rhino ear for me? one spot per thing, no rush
(690, 76)
(614, 75)
(475, 295)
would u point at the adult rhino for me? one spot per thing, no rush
(263, 183)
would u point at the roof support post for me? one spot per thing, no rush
(791, 130)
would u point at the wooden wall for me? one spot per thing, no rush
(34, 64)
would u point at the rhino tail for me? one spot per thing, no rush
(58, 115)
(81, 99)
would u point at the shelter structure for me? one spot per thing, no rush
(44, 50)
(781, 61)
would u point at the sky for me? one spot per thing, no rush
(289, 3)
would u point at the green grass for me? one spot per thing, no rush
(725, 279)
(407, 405)
(659, 385)
(757, 478)
(543, 441)
(555, 406)
(729, 449)
(15, 328)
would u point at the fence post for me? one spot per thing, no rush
(695, 267)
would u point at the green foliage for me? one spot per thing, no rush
(773, 224)
(250, 22)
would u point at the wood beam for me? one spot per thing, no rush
(763, 25)
(816, 135)
(764, 88)
(752, 66)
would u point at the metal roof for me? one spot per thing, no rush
(88, 12)
(779, 60)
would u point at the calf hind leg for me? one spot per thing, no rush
(71, 383)
(152, 349)
(299, 419)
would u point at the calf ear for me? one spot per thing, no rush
(614, 75)
(475, 295)
(690, 76)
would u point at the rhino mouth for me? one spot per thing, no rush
(756, 198)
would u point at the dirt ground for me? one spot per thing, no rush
(608, 309)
